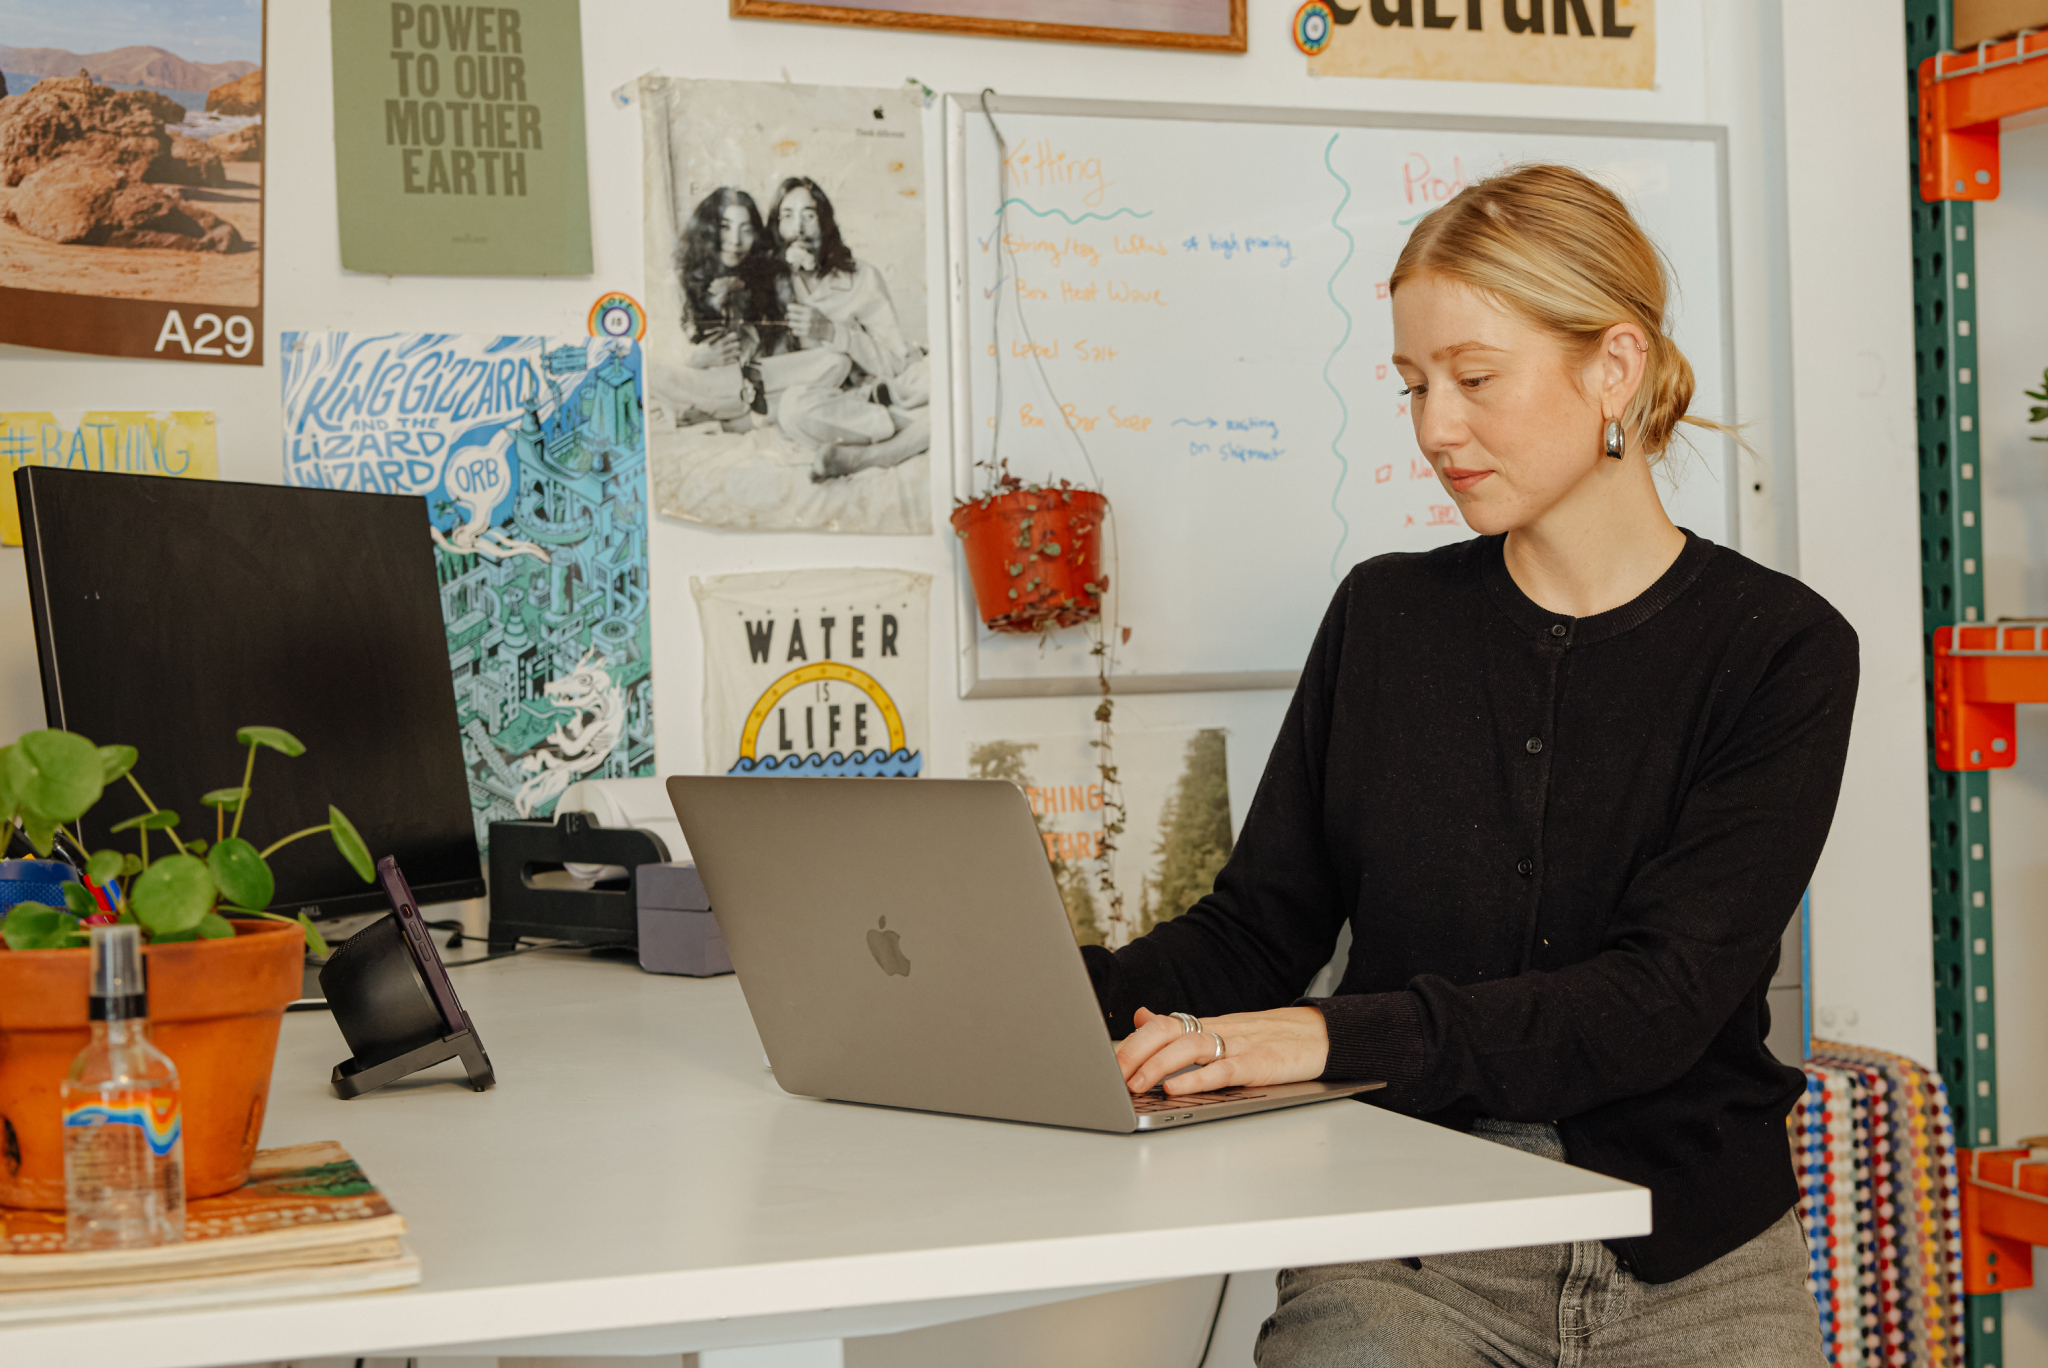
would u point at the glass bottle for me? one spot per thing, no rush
(124, 1155)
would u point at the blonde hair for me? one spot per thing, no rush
(1563, 251)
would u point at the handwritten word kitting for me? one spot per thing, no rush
(1039, 164)
(1228, 245)
(490, 124)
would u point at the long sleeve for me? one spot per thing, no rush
(1697, 927)
(1256, 941)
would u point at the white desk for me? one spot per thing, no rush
(637, 1184)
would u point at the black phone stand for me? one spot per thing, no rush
(387, 1016)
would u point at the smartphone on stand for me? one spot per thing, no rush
(425, 954)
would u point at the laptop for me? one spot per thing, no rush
(901, 942)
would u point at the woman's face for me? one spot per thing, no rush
(797, 219)
(735, 236)
(1510, 422)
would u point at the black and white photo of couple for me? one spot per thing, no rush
(789, 383)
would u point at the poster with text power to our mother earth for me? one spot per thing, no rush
(458, 138)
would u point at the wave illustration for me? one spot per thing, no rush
(875, 764)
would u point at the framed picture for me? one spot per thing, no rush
(1195, 25)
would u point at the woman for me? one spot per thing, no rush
(1566, 782)
(728, 274)
(732, 312)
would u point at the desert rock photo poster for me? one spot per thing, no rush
(131, 179)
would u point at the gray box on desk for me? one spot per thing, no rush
(678, 934)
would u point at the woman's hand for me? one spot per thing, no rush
(721, 349)
(1287, 1045)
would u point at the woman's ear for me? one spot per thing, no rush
(1618, 367)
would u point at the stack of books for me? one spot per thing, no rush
(308, 1224)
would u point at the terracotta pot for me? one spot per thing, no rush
(215, 1009)
(1035, 557)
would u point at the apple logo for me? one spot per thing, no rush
(882, 945)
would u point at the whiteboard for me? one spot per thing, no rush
(1187, 304)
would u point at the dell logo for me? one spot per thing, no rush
(882, 944)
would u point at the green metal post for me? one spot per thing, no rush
(1952, 591)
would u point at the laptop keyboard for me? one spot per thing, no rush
(1157, 1101)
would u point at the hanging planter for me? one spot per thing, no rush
(1035, 557)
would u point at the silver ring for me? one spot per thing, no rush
(1189, 1025)
(1219, 1048)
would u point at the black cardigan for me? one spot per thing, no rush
(1567, 849)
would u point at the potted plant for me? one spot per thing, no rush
(1034, 554)
(221, 968)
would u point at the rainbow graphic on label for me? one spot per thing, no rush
(891, 759)
(156, 1115)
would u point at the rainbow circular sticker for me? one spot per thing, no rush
(618, 315)
(1313, 24)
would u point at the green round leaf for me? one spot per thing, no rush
(32, 926)
(54, 774)
(41, 831)
(77, 901)
(241, 874)
(315, 942)
(277, 738)
(213, 926)
(104, 866)
(227, 798)
(172, 895)
(197, 845)
(148, 821)
(115, 761)
(131, 865)
(349, 842)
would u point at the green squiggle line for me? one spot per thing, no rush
(1344, 421)
(1048, 213)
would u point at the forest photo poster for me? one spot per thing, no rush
(1175, 788)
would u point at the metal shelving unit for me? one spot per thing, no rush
(1952, 592)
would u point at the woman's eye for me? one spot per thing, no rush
(1412, 389)
(1474, 381)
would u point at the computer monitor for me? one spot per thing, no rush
(170, 613)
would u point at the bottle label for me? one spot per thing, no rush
(155, 1114)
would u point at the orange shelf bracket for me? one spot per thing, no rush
(1980, 672)
(1963, 95)
(2005, 1214)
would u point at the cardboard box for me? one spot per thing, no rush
(1988, 21)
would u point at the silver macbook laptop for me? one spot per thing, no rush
(901, 942)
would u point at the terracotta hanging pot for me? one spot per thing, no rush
(214, 1007)
(1035, 557)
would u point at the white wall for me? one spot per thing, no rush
(2012, 327)
(1850, 292)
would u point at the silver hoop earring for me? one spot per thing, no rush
(1616, 440)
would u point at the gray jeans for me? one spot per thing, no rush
(1568, 1305)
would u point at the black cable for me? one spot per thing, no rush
(1215, 1319)
(523, 949)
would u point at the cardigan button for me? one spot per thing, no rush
(1557, 629)
(1525, 867)
(1533, 745)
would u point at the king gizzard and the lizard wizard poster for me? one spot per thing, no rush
(458, 138)
(815, 672)
(532, 457)
(131, 179)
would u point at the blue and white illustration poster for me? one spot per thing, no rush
(816, 673)
(531, 453)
